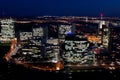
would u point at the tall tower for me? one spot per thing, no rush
(105, 40)
(101, 16)
(7, 29)
(103, 33)
(100, 30)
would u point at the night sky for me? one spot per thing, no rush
(59, 7)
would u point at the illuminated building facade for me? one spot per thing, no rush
(38, 32)
(52, 47)
(105, 35)
(77, 50)
(7, 29)
(100, 30)
(52, 50)
(32, 44)
(25, 35)
(64, 29)
(37, 35)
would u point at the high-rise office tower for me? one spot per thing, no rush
(105, 40)
(7, 29)
(77, 50)
(103, 33)
(100, 30)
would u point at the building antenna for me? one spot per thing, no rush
(101, 16)
(86, 19)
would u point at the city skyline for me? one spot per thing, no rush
(62, 42)
(59, 8)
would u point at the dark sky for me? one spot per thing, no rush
(60, 7)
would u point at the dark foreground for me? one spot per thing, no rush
(9, 71)
(18, 72)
